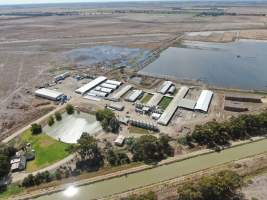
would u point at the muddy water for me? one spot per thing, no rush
(71, 127)
(240, 64)
(139, 179)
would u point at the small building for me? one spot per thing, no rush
(155, 116)
(116, 106)
(165, 87)
(136, 94)
(119, 140)
(49, 94)
(204, 101)
(61, 76)
(144, 125)
(89, 86)
(18, 163)
(113, 82)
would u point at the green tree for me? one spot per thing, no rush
(36, 129)
(58, 116)
(51, 121)
(148, 196)
(69, 109)
(89, 152)
(4, 165)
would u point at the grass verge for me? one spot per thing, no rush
(10, 191)
(165, 102)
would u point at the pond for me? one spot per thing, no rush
(158, 174)
(241, 64)
(71, 127)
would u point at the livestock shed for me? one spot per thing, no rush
(49, 94)
(187, 104)
(136, 94)
(101, 89)
(171, 90)
(61, 76)
(165, 87)
(113, 82)
(97, 93)
(243, 98)
(84, 89)
(122, 92)
(155, 99)
(172, 107)
(145, 125)
(116, 106)
(235, 106)
(105, 85)
(204, 101)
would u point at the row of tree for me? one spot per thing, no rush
(215, 134)
(150, 149)
(6, 152)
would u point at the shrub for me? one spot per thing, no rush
(51, 121)
(58, 116)
(69, 109)
(36, 129)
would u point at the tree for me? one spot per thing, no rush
(51, 121)
(221, 186)
(148, 196)
(4, 165)
(116, 159)
(89, 152)
(108, 120)
(58, 116)
(36, 129)
(69, 109)
(114, 125)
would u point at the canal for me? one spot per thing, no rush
(158, 174)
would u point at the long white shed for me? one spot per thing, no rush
(49, 94)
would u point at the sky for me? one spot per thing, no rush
(11, 2)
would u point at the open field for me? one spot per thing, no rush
(31, 46)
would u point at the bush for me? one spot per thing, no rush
(36, 129)
(58, 116)
(69, 109)
(51, 121)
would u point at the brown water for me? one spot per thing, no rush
(139, 179)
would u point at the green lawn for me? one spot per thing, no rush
(10, 191)
(146, 98)
(47, 150)
(165, 102)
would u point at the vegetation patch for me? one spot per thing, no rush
(10, 191)
(165, 102)
(47, 150)
(146, 98)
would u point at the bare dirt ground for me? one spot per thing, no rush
(31, 46)
(256, 188)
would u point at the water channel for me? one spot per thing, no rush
(161, 173)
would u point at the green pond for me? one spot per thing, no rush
(158, 174)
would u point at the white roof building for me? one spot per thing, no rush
(106, 85)
(120, 140)
(134, 95)
(172, 107)
(155, 99)
(98, 93)
(122, 92)
(49, 94)
(165, 87)
(204, 101)
(82, 90)
(113, 82)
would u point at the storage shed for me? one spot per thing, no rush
(49, 94)
(204, 101)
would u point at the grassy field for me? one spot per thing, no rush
(165, 102)
(10, 191)
(146, 98)
(47, 149)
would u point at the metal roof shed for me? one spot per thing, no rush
(82, 90)
(106, 85)
(204, 101)
(134, 95)
(187, 104)
(113, 82)
(49, 94)
(122, 92)
(165, 87)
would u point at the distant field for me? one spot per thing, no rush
(146, 98)
(48, 150)
(165, 102)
